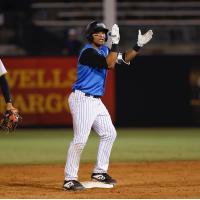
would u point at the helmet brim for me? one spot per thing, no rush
(100, 29)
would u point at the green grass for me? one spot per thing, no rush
(48, 146)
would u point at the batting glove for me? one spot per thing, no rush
(144, 39)
(115, 34)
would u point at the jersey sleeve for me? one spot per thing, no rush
(91, 58)
(2, 68)
(5, 89)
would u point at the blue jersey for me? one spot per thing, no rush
(91, 80)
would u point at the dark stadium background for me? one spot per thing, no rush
(162, 86)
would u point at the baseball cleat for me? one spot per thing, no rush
(73, 185)
(104, 178)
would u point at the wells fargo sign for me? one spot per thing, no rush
(40, 88)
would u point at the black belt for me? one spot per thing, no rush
(94, 96)
(89, 95)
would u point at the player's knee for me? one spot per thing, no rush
(79, 146)
(111, 134)
(114, 134)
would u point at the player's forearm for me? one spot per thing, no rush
(111, 59)
(130, 55)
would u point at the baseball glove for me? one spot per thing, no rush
(10, 120)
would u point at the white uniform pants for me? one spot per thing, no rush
(87, 113)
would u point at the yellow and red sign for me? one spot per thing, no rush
(40, 87)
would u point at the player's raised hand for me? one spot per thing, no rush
(145, 38)
(115, 36)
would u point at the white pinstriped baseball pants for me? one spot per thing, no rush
(87, 113)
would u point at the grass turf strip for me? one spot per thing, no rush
(48, 146)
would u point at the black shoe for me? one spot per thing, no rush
(103, 177)
(73, 185)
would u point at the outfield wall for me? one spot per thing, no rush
(153, 91)
(40, 88)
(158, 90)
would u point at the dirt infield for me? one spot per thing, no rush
(135, 180)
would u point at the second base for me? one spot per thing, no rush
(93, 184)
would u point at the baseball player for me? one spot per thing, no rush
(5, 88)
(85, 103)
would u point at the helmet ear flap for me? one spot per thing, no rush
(89, 38)
(106, 38)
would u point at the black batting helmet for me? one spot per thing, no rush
(94, 27)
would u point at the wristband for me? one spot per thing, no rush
(115, 48)
(136, 47)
